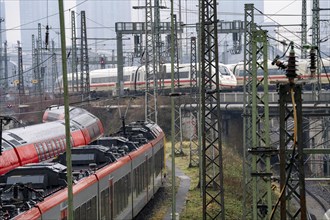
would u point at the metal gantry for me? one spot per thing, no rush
(212, 169)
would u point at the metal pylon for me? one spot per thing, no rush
(40, 76)
(34, 66)
(304, 28)
(150, 94)
(84, 66)
(260, 170)
(212, 169)
(257, 203)
(178, 121)
(74, 61)
(194, 145)
(316, 42)
(20, 70)
(247, 111)
(6, 66)
(54, 66)
(292, 178)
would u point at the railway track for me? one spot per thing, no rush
(317, 198)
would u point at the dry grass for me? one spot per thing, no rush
(232, 167)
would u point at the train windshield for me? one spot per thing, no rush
(224, 71)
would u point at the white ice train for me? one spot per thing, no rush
(277, 75)
(105, 80)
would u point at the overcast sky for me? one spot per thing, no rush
(282, 8)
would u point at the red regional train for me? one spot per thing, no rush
(113, 178)
(36, 143)
(56, 112)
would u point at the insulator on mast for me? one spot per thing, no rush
(291, 69)
(313, 62)
(47, 36)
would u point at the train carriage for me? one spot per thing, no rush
(114, 178)
(44, 141)
(104, 81)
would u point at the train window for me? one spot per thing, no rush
(89, 210)
(126, 78)
(62, 143)
(105, 205)
(51, 149)
(58, 145)
(240, 72)
(15, 136)
(38, 151)
(325, 69)
(14, 142)
(42, 151)
(76, 213)
(224, 71)
(150, 170)
(83, 212)
(5, 145)
(46, 150)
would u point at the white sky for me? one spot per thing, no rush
(284, 7)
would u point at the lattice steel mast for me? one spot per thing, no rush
(39, 61)
(20, 70)
(303, 29)
(54, 66)
(212, 171)
(6, 66)
(316, 43)
(150, 95)
(257, 173)
(84, 67)
(194, 106)
(74, 60)
(247, 111)
(292, 176)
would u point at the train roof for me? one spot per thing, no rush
(55, 112)
(35, 133)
